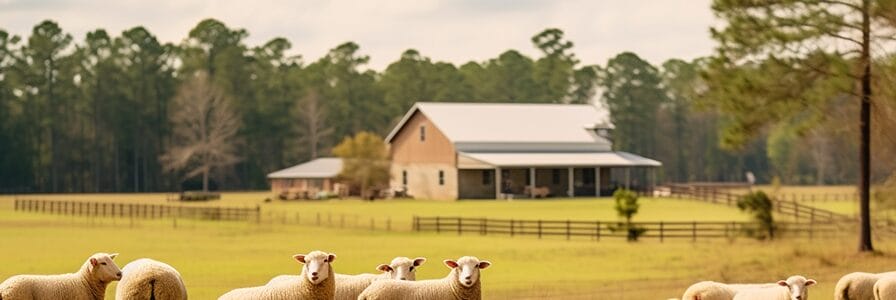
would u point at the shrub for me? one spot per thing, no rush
(627, 206)
(199, 196)
(760, 206)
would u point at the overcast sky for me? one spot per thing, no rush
(448, 30)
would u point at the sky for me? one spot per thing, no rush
(456, 31)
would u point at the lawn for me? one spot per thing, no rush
(215, 257)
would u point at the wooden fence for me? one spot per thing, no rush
(137, 210)
(597, 230)
(801, 212)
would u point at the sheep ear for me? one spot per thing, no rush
(419, 261)
(782, 283)
(299, 257)
(810, 282)
(331, 258)
(93, 261)
(384, 268)
(113, 255)
(484, 264)
(450, 263)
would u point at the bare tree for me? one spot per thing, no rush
(204, 129)
(313, 128)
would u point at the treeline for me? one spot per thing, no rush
(94, 115)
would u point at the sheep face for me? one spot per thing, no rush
(316, 265)
(103, 268)
(467, 269)
(402, 268)
(798, 286)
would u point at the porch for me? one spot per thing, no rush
(514, 175)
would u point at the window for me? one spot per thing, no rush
(486, 177)
(555, 176)
(441, 177)
(422, 133)
(528, 178)
(404, 177)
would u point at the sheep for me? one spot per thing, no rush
(711, 290)
(87, 284)
(462, 283)
(793, 288)
(885, 288)
(541, 191)
(348, 287)
(316, 282)
(858, 285)
(145, 279)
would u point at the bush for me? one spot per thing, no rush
(627, 206)
(199, 196)
(760, 206)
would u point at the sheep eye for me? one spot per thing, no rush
(412, 269)
(103, 264)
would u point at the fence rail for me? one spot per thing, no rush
(800, 212)
(597, 230)
(137, 210)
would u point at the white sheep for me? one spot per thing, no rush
(885, 288)
(316, 282)
(793, 288)
(348, 287)
(87, 284)
(858, 285)
(462, 283)
(711, 290)
(145, 279)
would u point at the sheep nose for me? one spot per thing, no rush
(798, 297)
(404, 278)
(119, 274)
(468, 277)
(313, 273)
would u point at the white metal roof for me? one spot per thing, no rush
(325, 167)
(511, 123)
(595, 159)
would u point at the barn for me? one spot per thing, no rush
(452, 151)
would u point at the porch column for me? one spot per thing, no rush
(498, 183)
(597, 182)
(628, 177)
(570, 191)
(531, 181)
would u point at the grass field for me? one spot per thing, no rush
(215, 257)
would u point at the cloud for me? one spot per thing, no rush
(448, 30)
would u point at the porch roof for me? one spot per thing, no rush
(467, 160)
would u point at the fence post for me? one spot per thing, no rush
(17, 205)
(661, 231)
(539, 228)
(416, 224)
(482, 226)
(459, 225)
(567, 229)
(438, 225)
(694, 231)
(511, 227)
(597, 229)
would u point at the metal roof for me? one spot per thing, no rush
(592, 159)
(325, 167)
(510, 123)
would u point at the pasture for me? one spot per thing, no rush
(215, 257)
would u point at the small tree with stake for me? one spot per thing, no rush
(760, 206)
(627, 206)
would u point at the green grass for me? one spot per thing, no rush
(215, 257)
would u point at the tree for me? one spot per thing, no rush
(313, 127)
(760, 206)
(804, 40)
(627, 206)
(204, 127)
(633, 94)
(365, 162)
